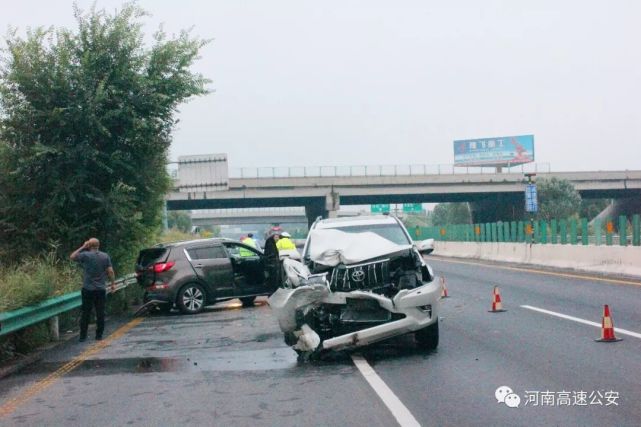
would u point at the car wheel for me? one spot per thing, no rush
(191, 298)
(247, 301)
(427, 338)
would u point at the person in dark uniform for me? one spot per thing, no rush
(273, 266)
(96, 267)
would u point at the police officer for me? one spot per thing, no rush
(285, 242)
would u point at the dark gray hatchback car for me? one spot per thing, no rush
(196, 273)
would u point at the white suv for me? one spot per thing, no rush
(362, 280)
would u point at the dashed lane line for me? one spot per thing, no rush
(578, 320)
(393, 403)
(11, 405)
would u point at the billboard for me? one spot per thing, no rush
(501, 151)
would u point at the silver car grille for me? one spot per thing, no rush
(346, 278)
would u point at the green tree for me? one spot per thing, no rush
(558, 199)
(180, 220)
(451, 213)
(590, 208)
(86, 118)
(412, 220)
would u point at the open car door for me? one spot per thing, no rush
(249, 269)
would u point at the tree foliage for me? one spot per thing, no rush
(558, 199)
(180, 220)
(590, 208)
(451, 213)
(85, 127)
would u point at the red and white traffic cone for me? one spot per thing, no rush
(497, 306)
(607, 327)
(444, 293)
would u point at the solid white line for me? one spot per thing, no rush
(393, 403)
(585, 322)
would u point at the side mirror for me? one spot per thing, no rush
(425, 247)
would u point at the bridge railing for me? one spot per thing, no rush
(622, 231)
(377, 170)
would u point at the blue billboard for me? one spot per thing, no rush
(501, 151)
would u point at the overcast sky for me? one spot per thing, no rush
(380, 82)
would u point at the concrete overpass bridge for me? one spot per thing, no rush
(492, 196)
(243, 216)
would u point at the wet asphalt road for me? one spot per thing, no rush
(229, 366)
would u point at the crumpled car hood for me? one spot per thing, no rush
(332, 247)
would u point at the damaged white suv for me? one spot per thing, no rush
(362, 280)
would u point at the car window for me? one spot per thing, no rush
(237, 250)
(208, 252)
(149, 256)
(391, 232)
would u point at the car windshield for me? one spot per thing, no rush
(391, 232)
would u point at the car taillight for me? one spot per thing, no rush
(160, 267)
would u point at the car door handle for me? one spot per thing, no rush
(199, 265)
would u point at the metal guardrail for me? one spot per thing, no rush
(15, 320)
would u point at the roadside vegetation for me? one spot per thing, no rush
(86, 120)
(36, 279)
(85, 127)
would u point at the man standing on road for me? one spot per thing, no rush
(96, 266)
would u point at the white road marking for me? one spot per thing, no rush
(393, 403)
(585, 322)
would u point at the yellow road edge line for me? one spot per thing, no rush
(549, 273)
(11, 405)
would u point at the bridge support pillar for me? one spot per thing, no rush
(327, 208)
(499, 207)
(332, 204)
(625, 206)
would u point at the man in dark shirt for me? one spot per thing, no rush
(96, 266)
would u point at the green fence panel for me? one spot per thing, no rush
(506, 231)
(499, 230)
(564, 231)
(521, 231)
(636, 234)
(623, 230)
(483, 230)
(573, 232)
(513, 232)
(584, 231)
(544, 231)
(493, 232)
(553, 232)
(609, 230)
(598, 232)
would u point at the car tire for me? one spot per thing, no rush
(191, 298)
(427, 338)
(247, 301)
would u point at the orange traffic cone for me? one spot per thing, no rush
(444, 293)
(607, 327)
(497, 306)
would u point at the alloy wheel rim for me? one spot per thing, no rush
(193, 298)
